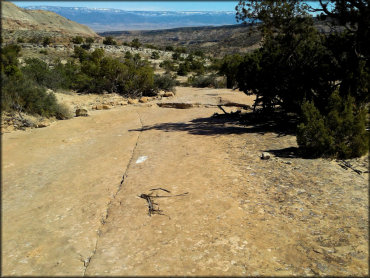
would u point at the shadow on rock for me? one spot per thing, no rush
(233, 123)
(291, 152)
(275, 122)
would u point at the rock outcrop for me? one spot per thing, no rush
(15, 19)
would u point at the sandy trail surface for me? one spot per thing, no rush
(71, 207)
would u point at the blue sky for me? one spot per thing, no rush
(144, 5)
(140, 5)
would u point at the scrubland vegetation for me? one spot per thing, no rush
(321, 78)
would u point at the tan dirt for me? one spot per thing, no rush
(71, 205)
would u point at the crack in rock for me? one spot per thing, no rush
(87, 261)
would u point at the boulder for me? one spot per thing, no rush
(98, 107)
(168, 94)
(81, 112)
(41, 125)
(143, 100)
(106, 106)
(265, 155)
(123, 102)
(132, 101)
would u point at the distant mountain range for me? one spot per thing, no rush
(26, 24)
(101, 20)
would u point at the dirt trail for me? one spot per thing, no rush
(71, 205)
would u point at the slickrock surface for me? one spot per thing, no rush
(71, 207)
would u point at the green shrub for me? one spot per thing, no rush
(312, 134)
(340, 133)
(128, 55)
(168, 65)
(176, 56)
(155, 55)
(77, 40)
(26, 96)
(165, 82)
(180, 49)
(20, 40)
(80, 53)
(62, 112)
(197, 66)
(183, 69)
(37, 71)
(9, 56)
(46, 41)
(89, 40)
(131, 77)
(151, 46)
(199, 53)
(169, 48)
(35, 39)
(205, 81)
(86, 46)
(109, 41)
(43, 51)
(135, 43)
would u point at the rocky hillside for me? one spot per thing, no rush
(217, 40)
(17, 22)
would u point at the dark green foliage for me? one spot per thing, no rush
(168, 65)
(36, 39)
(46, 41)
(340, 133)
(43, 51)
(229, 67)
(197, 66)
(165, 82)
(77, 40)
(131, 77)
(63, 76)
(20, 92)
(109, 41)
(199, 53)
(313, 135)
(135, 43)
(205, 81)
(80, 53)
(183, 69)
(298, 66)
(25, 96)
(89, 40)
(128, 55)
(169, 48)
(155, 55)
(180, 49)
(86, 46)
(176, 56)
(59, 77)
(151, 46)
(20, 40)
(37, 71)
(9, 56)
(137, 57)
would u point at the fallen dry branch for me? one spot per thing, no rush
(151, 205)
(346, 165)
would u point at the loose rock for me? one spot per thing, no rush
(143, 100)
(81, 112)
(167, 94)
(265, 156)
(132, 101)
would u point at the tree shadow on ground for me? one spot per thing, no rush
(291, 152)
(232, 123)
